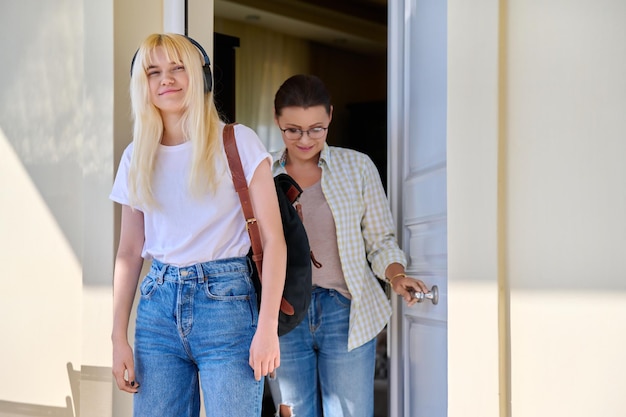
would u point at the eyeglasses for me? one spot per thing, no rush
(292, 133)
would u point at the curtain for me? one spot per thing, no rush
(265, 59)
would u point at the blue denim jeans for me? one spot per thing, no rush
(317, 375)
(194, 328)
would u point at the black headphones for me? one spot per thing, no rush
(206, 68)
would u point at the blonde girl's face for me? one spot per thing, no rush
(168, 82)
(298, 124)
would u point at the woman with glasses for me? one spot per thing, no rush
(328, 361)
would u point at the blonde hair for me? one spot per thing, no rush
(200, 120)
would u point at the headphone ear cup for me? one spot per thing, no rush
(208, 79)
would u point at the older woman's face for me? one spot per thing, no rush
(304, 130)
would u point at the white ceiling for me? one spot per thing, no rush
(309, 21)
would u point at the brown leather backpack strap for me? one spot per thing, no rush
(241, 186)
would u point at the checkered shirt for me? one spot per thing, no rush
(365, 235)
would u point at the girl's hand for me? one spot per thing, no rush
(264, 352)
(124, 367)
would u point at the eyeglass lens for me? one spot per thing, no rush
(313, 133)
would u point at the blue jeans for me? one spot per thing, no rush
(317, 375)
(194, 328)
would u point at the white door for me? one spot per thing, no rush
(417, 161)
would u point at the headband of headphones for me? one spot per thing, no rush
(206, 67)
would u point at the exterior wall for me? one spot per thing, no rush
(64, 121)
(474, 388)
(565, 203)
(536, 149)
(42, 161)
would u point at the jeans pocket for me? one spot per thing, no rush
(229, 286)
(148, 286)
(340, 299)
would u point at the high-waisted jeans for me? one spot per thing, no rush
(317, 374)
(194, 328)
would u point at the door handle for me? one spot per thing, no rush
(433, 295)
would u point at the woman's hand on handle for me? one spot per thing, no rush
(404, 285)
(407, 286)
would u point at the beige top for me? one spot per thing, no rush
(320, 228)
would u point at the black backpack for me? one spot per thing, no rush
(297, 290)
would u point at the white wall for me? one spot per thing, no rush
(474, 383)
(566, 204)
(41, 201)
(537, 120)
(64, 121)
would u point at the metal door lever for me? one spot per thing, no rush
(433, 295)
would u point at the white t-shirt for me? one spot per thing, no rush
(184, 230)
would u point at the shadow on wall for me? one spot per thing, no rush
(60, 135)
(12, 409)
(77, 377)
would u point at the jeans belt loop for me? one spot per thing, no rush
(161, 273)
(200, 272)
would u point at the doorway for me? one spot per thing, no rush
(346, 46)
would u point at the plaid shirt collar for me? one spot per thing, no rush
(325, 158)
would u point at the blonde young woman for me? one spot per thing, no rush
(197, 319)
